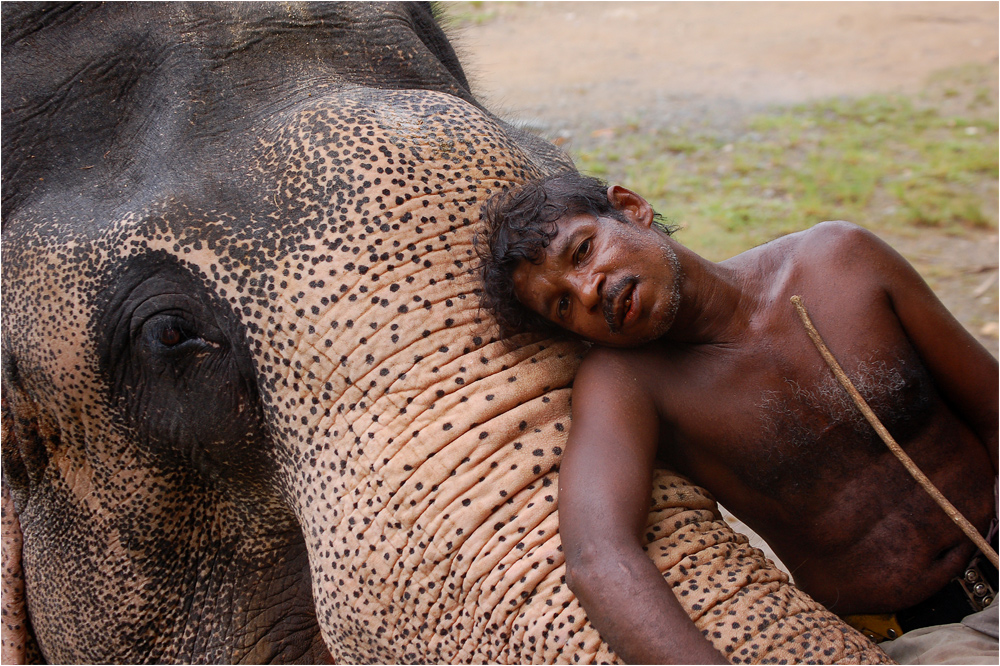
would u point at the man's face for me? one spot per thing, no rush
(612, 282)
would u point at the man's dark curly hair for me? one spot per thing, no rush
(518, 224)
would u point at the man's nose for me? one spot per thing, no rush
(589, 290)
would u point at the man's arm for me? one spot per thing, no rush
(963, 370)
(604, 497)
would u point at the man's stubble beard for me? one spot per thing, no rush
(667, 321)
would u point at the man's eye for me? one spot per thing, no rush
(582, 251)
(563, 306)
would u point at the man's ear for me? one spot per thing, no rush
(635, 208)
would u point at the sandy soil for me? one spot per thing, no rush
(568, 69)
(600, 62)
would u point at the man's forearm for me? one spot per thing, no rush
(635, 611)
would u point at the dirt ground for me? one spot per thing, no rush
(569, 69)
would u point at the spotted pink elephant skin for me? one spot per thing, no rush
(251, 410)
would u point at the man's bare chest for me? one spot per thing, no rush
(809, 428)
(779, 424)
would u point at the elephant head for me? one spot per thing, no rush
(251, 410)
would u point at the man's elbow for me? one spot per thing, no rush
(575, 578)
(592, 568)
(580, 570)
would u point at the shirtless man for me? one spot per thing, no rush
(706, 368)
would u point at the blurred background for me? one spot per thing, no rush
(745, 121)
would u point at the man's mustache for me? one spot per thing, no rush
(611, 297)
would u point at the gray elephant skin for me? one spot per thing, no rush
(251, 411)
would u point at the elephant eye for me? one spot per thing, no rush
(169, 333)
(171, 336)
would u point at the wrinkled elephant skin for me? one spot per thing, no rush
(251, 410)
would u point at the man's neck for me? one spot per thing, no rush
(716, 304)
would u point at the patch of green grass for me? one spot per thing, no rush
(886, 162)
(468, 13)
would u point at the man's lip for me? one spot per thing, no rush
(633, 311)
(623, 314)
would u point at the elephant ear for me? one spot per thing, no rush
(18, 642)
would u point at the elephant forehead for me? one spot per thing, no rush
(342, 172)
(332, 195)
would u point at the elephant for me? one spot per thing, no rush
(251, 409)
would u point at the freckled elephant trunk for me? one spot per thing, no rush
(441, 530)
(424, 456)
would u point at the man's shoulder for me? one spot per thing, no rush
(838, 231)
(614, 378)
(600, 359)
(836, 246)
(833, 242)
(836, 237)
(605, 365)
